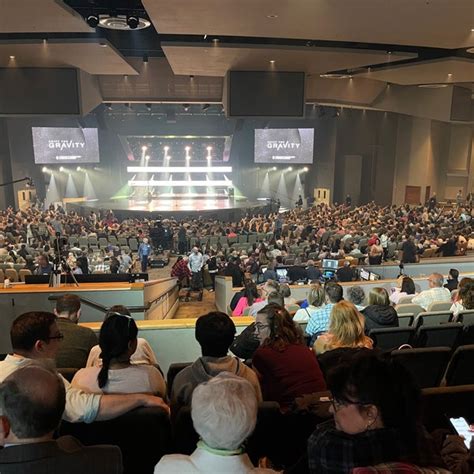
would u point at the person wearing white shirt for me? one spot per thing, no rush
(436, 293)
(315, 301)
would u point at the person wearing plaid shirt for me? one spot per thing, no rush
(375, 404)
(319, 319)
(435, 294)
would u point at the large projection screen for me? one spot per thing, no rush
(284, 145)
(58, 145)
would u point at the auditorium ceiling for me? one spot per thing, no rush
(362, 45)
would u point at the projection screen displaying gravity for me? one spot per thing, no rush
(55, 145)
(284, 145)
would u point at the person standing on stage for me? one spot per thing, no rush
(144, 252)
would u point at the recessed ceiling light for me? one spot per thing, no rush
(335, 76)
(12, 57)
(272, 16)
(433, 86)
(470, 50)
(103, 45)
(215, 40)
(272, 61)
(472, 29)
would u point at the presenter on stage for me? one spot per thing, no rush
(144, 252)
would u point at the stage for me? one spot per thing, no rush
(216, 207)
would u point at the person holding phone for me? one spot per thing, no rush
(458, 450)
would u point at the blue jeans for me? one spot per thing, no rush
(144, 262)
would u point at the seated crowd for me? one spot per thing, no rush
(366, 407)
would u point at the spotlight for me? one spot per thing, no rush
(205, 107)
(92, 21)
(108, 105)
(144, 148)
(147, 157)
(148, 107)
(78, 168)
(133, 21)
(61, 169)
(274, 168)
(305, 169)
(44, 169)
(290, 168)
(186, 107)
(209, 149)
(187, 148)
(191, 76)
(145, 58)
(12, 57)
(166, 148)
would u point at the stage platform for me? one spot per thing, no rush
(217, 207)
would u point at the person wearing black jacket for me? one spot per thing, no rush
(233, 270)
(379, 313)
(453, 282)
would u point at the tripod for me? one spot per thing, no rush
(60, 266)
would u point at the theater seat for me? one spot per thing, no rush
(174, 370)
(143, 435)
(460, 370)
(392, 338)
(427, 365)
(432, 318)
(443, 335)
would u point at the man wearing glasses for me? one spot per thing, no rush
(36, 336)
(435, 294)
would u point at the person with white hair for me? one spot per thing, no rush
(224, 414)
(144, 251)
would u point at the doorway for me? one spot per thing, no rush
(412, 194)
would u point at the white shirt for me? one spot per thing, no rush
(132, 379)
(433, 295)
(80, 406)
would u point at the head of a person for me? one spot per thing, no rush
(215, 332)
(36, 335)
(195, 250)
(435, 280)
(370, 392)
(43, 261)
(333, 292)
(145, 240)
(268, 287)
(356, 295)
(275, 297)
(346, 325)
(117, 309)
(466, 294)
(453, 274)
(251, 292)
(378, 296)
(274, 327)
(117, 341)
(32, 401)
(68, 306)
(285, 291)
(310, 263)
(408, 286)
(224, 411)
(316, 296)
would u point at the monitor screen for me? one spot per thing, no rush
(284, 145)
(330, 264)
(263, 269)
(60, 145)
(282, 273)
(364, 275)
(374, 277)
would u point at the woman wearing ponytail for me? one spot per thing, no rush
(118, 341)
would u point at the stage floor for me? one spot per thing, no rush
(177, 206)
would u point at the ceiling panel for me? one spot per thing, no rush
(40, 16)
(206, 60)
(90, 56)
(435, 23)
(449, 70)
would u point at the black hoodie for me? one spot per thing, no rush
(379, 316)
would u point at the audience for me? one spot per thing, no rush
(118, 341)
(36, 336)
(356, 295)
(285, 366)
(375, 404)
(407, 288)
(270, 286)
(250, 297)
(345, 273)
(78, 340)
(32, 402)
(452, 283)
(346, 329)
(457, 305)
(379, 313)
(224, 413)
(215, 333)
(435, 294)
(315, 300)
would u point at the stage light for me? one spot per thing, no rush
(144, 148)
(147, 157)
(185, 183)
(274, 168)
(166, 148)
(187, 148)
(133, 22)
(12, 57)
(305, 168)
(92, 21)
(179, 169)
(145, 58)
(61, 168)
(78, 168)
(44, 169)
(186, 107)
(205, 107)
(209, 149)
(290, 168)
(148, 107)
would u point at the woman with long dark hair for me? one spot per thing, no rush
(118, 341)
(250, 297)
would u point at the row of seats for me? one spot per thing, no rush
(14, 275)
(124, 243)
(275, 435)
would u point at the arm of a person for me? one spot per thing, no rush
(241, 304)
(419, 299)
(456, 456)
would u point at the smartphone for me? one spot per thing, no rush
(462, 429)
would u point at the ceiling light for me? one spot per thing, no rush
(148, 107)
(272, 61)
(305, 168)
(215, 40)
(335, 76)
(290, 168)
(145, 58)
(102, 45)
(186, 107)
(472, 29)
(147, 157)
(133, 22)
(78, 168)
(205, 107)
(12, 57)
(92, 21)
(470, 50)
(433, 86)
(144, 148)
(272, 16)
(44, 169)
(61, 168)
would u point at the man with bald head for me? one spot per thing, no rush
(32, 401)
(435, 294)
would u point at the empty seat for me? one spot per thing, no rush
(21, 274)
(466, 316)
(175, 369)
(122, 241)
(467, 335)
(392, 338)
(113, 240)
(426, 364)
(440, 306)
(133, 243)
(433, 317)
(83, 242)
(460, 370)
(141, 451)
(11, 274)
(405, 320)
(405, 300)
(442, 335)
(411, 308)
(103, 242)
